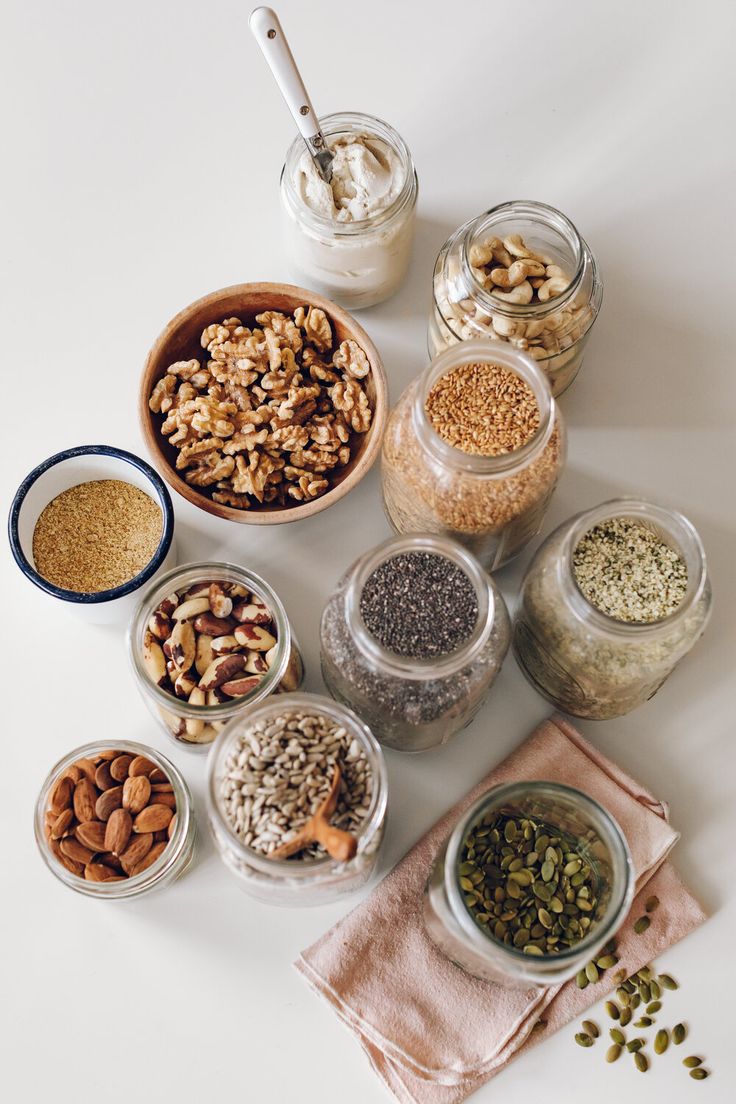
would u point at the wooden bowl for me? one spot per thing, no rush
(180, 340)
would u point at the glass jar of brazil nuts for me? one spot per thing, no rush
(436, 483)
(390, 645)
(568, 902)
(175, 856)
(519, 273)
(185, 692)
(273, 763)
(590, 663)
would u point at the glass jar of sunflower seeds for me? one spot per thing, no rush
(535, 878)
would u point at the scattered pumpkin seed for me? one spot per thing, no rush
(698, 1074)
(583, 1039)
(581, 978)
(625, 1017)
(652, 903)
(655, 991)
(617, 1036)
(642, 1062)
(661, 1040)
(692, 1062)
(613, 1010)
(635, 1045)
(679, 1031)
(643, 1021)
(613, 1053)
(591, 970)
(653, 1007)
(606, 962)
(590, 1028)
(642, 924)
(645, 992)
(668, 982)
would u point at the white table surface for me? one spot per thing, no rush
(141, 159)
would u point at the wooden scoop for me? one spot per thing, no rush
(340, 845)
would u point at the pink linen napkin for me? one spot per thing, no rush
(434, 1033)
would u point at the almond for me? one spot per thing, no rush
(103, 778)
(164, 786)
(153, 818)
(91, 834)
(98, 872)
(119, 767)
(157, 776)
(74, 773)
(172, 826)
(108, 802)
(107, 755)
(136, 850)
(85, 796)
(117, 832)
(72, 866)
(149, 860)
(136, 793)
(61, 795)
(87, 767)
(76, 851)
(140, 765)
(62, 823)
(165, 798)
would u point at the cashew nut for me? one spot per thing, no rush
(510, 277)
(520, 294)
(549, 289)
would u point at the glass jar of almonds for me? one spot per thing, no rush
(519, 273)
(473, 450)
(590, 661)
(207, 641)
(535, 878)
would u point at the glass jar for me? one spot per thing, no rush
(195, 726)
(590, 830)
(553, 332)
(494, 505)
(172, 862)
(357, 263)
(293, 881)
(411, 704)
(583, 661)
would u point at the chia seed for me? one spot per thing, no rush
(629, 573)
(419, 605)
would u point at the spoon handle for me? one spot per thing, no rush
(268, 33)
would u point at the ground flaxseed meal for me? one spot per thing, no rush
(629, 573)
(483, 409)
(96, 535)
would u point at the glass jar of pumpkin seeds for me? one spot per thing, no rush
(519, 273)
(535, 878)
(610, 604)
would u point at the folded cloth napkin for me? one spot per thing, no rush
(434, 1033)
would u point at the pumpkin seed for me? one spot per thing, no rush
(623, 996)
(668, 982)
(606, 962)
(592, 971)
(698, 1074)
(581, 979)
(613, 1053)
(583, 1040)
(634, 1045)
(661, 1041)
(644, 1021)
(679, 1031)
(642, 1062)
(652, 903)
(590, 1028)
(625, 1017)
(613, 1010)
(642, 924)
(617, 1036)
(655, 991)
(653, 1007)
(692, 1062)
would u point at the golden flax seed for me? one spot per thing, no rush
(483, 409)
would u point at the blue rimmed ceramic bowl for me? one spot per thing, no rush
(81, 465)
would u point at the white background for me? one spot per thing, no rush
(141, 151)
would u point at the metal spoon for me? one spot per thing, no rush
(267, 31)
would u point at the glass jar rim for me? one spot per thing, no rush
(336, 124)
(485, 350)
(404, 667)
(551, 217)
(341, 715)
(209, 569)
(617, 906)
(167, 860)
(682, 532)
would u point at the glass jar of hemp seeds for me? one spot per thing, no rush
(610, 604)
(473, 450)
(534, 879)
(519, 273)
(412, 640)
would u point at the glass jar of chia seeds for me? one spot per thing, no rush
(551, 321)
(590, 663)
(492, 504)
(419, 700)
(236, 761)
(189, 715)
(543, 928)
